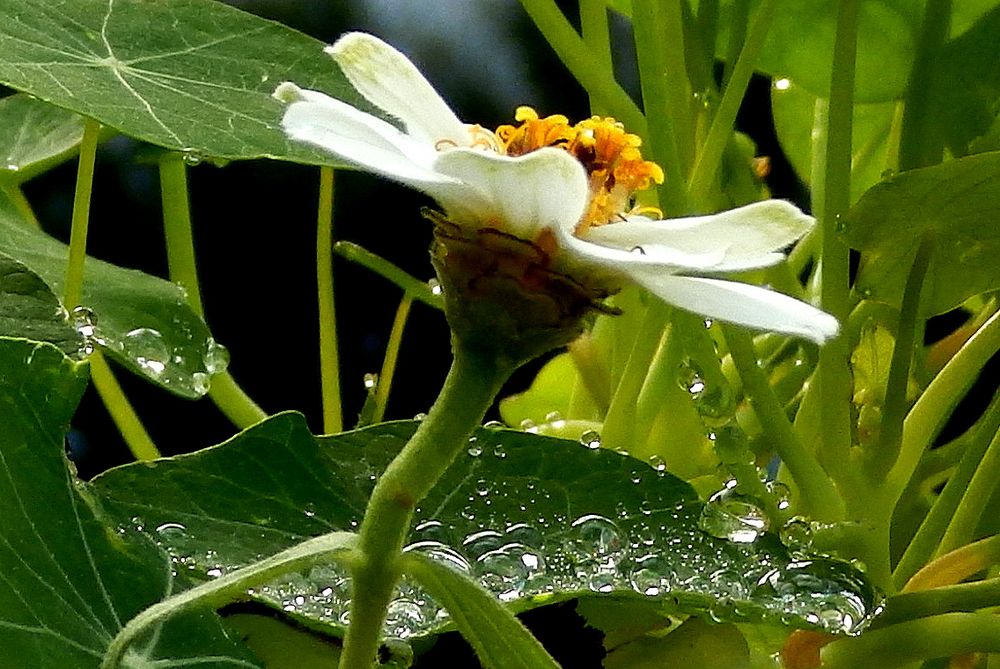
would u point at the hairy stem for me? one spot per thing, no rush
(472, 383)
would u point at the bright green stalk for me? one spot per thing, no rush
(925, 542)
(474, 380)
(585, 66)
(124, 416)
(737, 34)
(391, 356)
(901, 645)
(963, 524)
(329, 362)
(947, 599)
(228, 588)
(181, 265)
(707, 164)
(20, 202)
(930, 411)
(594, 25)
(620, 423)
(921, 141)
(415, 288)
(833, 371)
(73, 290)
(894, 406)
(819, 497)
(666, 96)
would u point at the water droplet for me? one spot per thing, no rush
(13, 167)
(403, 618)
(797, 534)
(441, 553)
(475, 448)
(147, 347)
(597, 536)
(555, 420)
(435, 287)
(730, 515)
(216, 357)
(172, 531)
(657, 463)
(309, 510)
(591, 439)
(651, 575)
(781, 494)
(493, 425)
(731, 445)
(528, 425)
(201, 383)
(505, 570)
(191, 157)
(214, 572)
(500, 451)
(525, 534)
(83, 321)
(478, 543)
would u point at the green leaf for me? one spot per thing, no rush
(534, 519)
(957, 203)
(30, 310)
(499, 639)
(190, 75)
(71, 577)
(35, 137)
(695, 643)
(874, 125)
(139, 320)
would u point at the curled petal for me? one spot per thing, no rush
(740, 303)
(745, 238)
(544, 189)
(392, 83)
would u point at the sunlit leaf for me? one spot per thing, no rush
(70, 577)
(956, 204)
(141, 321)
(534, 519)
(190, 75)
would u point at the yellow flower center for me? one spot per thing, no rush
(610, 155)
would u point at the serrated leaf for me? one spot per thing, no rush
(35, 136)
(190, 75)
(535, 519)
(30, 310)
(957, 204)
(141, 321)
(70, 579)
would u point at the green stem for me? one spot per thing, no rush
(820, 498)
(596, 37)
(833, 370)
(957, 565)
(183, 270)
(970, 509)
(947, 599)
(710, 156)
(895, 402)
(73, 290)
(329, 362)
(229, 587)
(932, 408)
(938, 520)
(415, 288)
(122, 413)
(585, 66)
(591, 371)
(737, 34)
(900, 645)
(391, 356)
(620, 424)
(473, 382)
(20, 202)
(666, 96)
(921, 141)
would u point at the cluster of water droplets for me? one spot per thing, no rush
(186, 366)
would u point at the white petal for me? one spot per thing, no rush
(744, 238)
(369, 143)
(739, 303)
(543, 189)
(392, 83)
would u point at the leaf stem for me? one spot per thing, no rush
(472, 383)
(391, 356)
(73, 290)
(183, 270)
(895, 403)
(819, 496)
(229, 587)
(928, 414)
(666, 98)
(970, 509)
(329, 361)
(415, 288)
(957, 565)
(710, 155)
(833, 370)
(594, 25)
(16, 195)
(921, 141)
(584, 65)
(122, 413)
(956, 492)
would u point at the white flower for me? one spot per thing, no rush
(564, 188)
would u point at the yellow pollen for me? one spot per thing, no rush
(611, 157)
